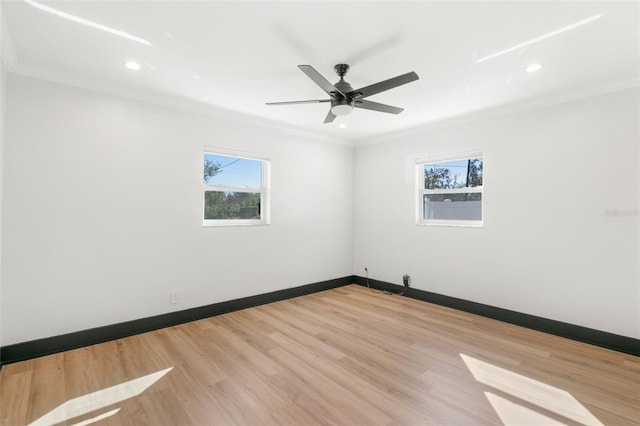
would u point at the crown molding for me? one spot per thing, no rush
(182, 104)
(505, 110)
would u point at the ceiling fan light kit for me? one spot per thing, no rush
(342, 107)
(344, 98)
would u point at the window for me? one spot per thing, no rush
(450, 191)
(236, 189)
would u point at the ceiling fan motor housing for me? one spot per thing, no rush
(342, 105)
(344, 87)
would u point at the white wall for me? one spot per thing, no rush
(561, 226)
(2, 127)
(102, 211)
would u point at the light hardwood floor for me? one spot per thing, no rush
(346, 356)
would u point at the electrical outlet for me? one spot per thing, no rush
(405, 280)
(173, 297)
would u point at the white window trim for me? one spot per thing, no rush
(449, 157)
(264, 190)
(421, 191)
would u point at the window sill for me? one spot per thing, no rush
(457, 224)
(223, 223)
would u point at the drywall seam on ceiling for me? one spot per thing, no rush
(505, 110)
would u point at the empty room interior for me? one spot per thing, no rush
(316, 212)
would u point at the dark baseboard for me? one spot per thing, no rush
(603, 339)
(50, 345)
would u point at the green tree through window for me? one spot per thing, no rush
(210, 169)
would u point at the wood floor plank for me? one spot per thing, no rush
(309, 340)
(47, 385)
(346, 356)
(13, 388)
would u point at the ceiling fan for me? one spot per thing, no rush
(342, 96)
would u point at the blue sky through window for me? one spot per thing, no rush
(236, 171)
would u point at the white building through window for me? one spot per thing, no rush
(450, 190)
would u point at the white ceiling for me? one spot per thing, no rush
(238, 55)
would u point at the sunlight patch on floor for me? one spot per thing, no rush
(532, 391)
(97, 418)
(96, 400)
(515, 414)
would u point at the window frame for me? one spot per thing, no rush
(264, 190)
(421, 191)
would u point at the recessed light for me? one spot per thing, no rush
(132, 65)
(534, 67)
(343, 125)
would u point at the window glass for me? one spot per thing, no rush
(231, 205)
(450, 192)
(453, 206)
(453, 174)
(236, 172)
(235, 190)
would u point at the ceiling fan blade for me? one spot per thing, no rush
(330, 117)
(375, 106)
(386, 84)
(319, 79)
(314, 101)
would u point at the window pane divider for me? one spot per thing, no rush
(464, 190)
